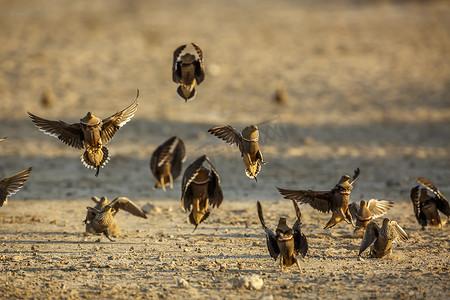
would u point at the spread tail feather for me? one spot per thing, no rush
(95, 158)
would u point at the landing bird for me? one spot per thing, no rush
(188, 71)
(10, 185)
(166, 162)
(200, 188)
(335, 200)
(247, 142)
(381, 239)
(289, 242)
(364, 212)
(100, 203)
(91, 133)
(102, 220)
(426, 207)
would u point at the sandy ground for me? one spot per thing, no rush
(367, 85)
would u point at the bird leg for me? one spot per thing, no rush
(163, 184)
(171, 181)
(106, 233)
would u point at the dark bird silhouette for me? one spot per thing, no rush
(289, 242)
(381, 239)
(188, 71)
(426, 207)
(200, 189)
(335, 200)
(10, 185)
(166, 162)
(366, 211)
(102, 220)
(247, 142)
(91, 133)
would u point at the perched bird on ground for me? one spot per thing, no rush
(1, 140)
(289, 242)
(166, 162)
(91, 133)
(381, 239)
(10, 185)
(426, 207)
(200, 189)
(335, 200)
(247, 142)
(100, 203)
(366, 211)
(188, 71)
(102, 220)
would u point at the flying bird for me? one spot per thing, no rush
(426, 207)
(335, 200)
(247, 142)
(286, 242)
(102, 220)
(200, 189)
(10, 185)
(91, 133)
(381, 239)
(366, 211)
(166, 162)
(188, 71)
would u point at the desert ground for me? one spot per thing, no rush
(366, 83)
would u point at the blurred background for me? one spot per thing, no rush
(363, 84)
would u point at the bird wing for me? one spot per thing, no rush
(127, 205)
(71, 135)
(353, 209)
(116, 121)
(163, 153)
(175, 72)
(420, 216)
(379, 207)
(228, 134)
(214, 188)
(189, 175)
(200, 70)
(300, 242)
(429, 185)
(355, 175)
(443, 206)
(179, 156)
(10, 185)
(95, 199)
(322, 201)
(271, 239)
(370, 235)
(90, 214)
(401, 235)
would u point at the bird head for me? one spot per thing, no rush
(90, 119)
(386, 222)
(363, 203)
(344, 186)
(251, 133)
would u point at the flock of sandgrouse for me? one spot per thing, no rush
(201, 182)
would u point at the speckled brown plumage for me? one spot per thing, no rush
(426, 208)
(381, 239)
(335, 200)
(91, 133)
(166, 162)
(188, 71)
(286, 242)
(200, 189)
(101, 220)
(248, 144)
